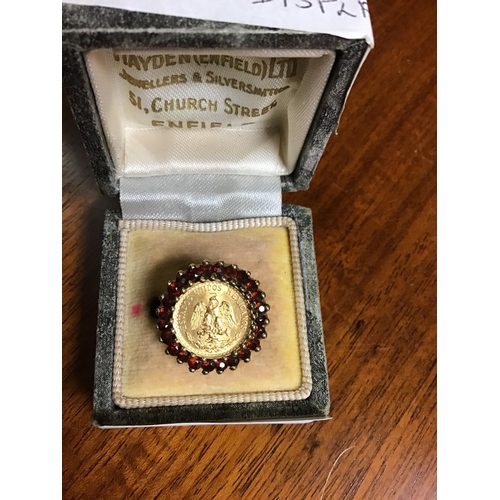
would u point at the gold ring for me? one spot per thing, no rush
(212, 316)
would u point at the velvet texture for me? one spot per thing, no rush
(86, 28)
(153, 256)
(106, 413)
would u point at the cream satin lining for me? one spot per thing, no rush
(200, 198)
(163, 115)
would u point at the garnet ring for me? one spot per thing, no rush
(212, 316)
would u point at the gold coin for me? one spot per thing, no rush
(211, 319)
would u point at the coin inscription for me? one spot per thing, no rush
(211, 319)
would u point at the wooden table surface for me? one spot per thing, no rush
(373, 200)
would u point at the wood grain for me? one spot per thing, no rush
(373, 199)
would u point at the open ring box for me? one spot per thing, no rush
(199, 126)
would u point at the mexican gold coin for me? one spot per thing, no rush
(211, 319)
(212, 316)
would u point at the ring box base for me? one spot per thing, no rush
(314, 407)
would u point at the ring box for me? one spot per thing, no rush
(199, 126)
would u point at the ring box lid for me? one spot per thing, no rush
(156, 95)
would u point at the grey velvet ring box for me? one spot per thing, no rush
(199, 126)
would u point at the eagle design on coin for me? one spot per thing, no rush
(214, 321)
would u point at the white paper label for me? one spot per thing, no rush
(344, 18)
